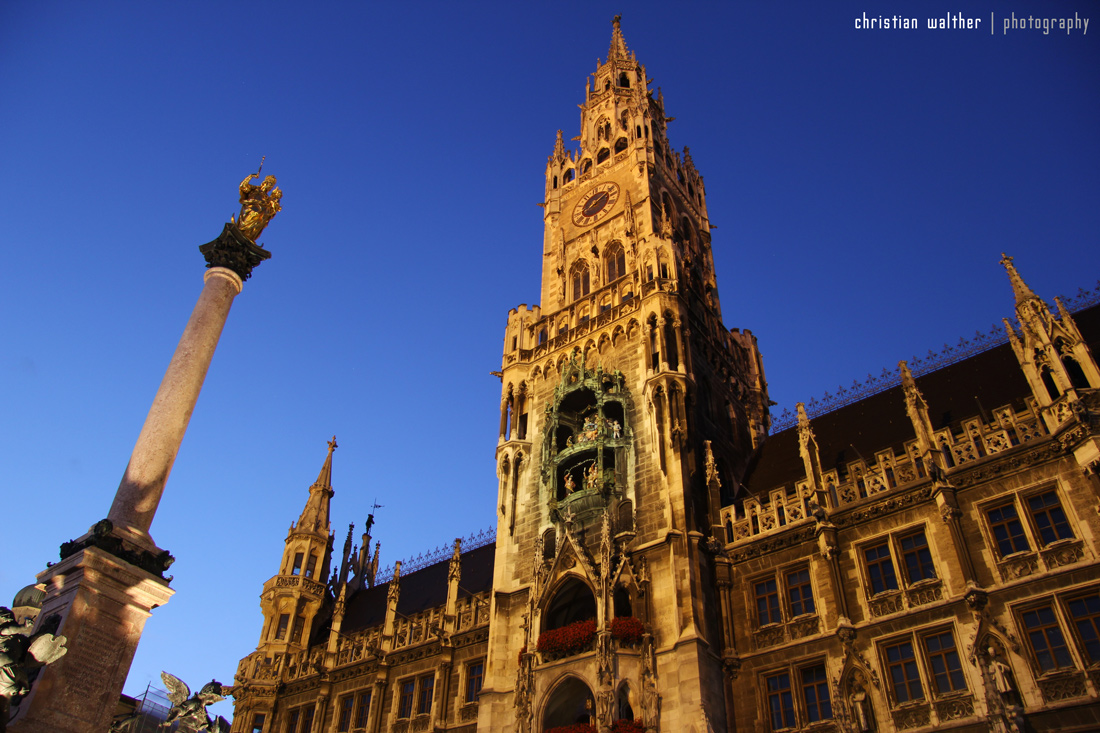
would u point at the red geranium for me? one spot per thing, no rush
(576, 637)
(627, 726)
(627, 629)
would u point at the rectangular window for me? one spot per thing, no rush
(258, 721)
(296, 632)
(767, 602)
(475, 676)
(1046, 639)
(297, 563)
(1007, 530)
(280, 630)
(362, 709)
(780, 700)
(815, 693)
(901, 668)
(916, 558)
(1085, 612)
(424, 699)
(405, 703)
(311, 568)
(880, 568)
(346, 707)
(307, 720)
(799, 593)
(943, 660)
(292, 720)
(1048, 517)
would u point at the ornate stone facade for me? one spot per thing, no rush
(917, 559)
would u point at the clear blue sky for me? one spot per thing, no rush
(863, 184)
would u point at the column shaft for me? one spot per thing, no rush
(156, 448)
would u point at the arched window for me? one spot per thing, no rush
(1048, 382)
(581, 282)
(571, 703)
(620, 145)
(586, 165)
(615, 262)
(624, 80)
(555, 181)
(542, 336)
(568, 175)
(573, 602)
(1076, 373)
(603, 155)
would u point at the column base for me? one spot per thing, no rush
(103, 602)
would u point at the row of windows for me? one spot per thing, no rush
(614, 267)
(926, 664)
(415, 696)
(904, 559)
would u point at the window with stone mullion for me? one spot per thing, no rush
(1085, 612)
(901, 666)
(916, 557)
(1008, 531)
(767, 602)
(1044, 634)
(1049, 517)
(943, 659)
(780, 701)
(880, 568)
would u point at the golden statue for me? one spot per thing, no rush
(259, 205)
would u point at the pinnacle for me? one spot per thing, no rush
(324, 478)
(1019, 287)
(618, 45)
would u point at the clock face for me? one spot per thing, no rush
(595, 204)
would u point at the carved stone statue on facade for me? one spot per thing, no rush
(259, 205)
(192, 708)
(22, 652)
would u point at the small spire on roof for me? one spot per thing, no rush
(1019, 287)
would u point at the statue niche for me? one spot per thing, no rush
(587, 448)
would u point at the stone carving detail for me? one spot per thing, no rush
(955, 708)
(1018, 566)
(886, 604)
(1063, 686)
(803, 627)
(1063, 554)
(769, 636)
(925, 594)
(914, 716)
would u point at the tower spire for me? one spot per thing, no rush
(1019, 287)
(618, 45)
(315, 515)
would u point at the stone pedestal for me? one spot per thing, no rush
(104, 602)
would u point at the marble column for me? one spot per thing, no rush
(109, 580)
(154, 453)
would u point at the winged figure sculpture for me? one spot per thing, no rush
(190, 710)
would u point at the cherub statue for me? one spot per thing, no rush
(21, 652)
(192, 708)
(259, 205)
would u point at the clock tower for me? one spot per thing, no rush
(629, 413)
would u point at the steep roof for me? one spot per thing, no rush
(956, 392)
(421, 590)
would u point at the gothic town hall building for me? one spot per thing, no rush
(667, 561)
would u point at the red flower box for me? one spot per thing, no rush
(627, 629)
(576, 637)
(627, 726)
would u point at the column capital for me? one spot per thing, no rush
(234, 251)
